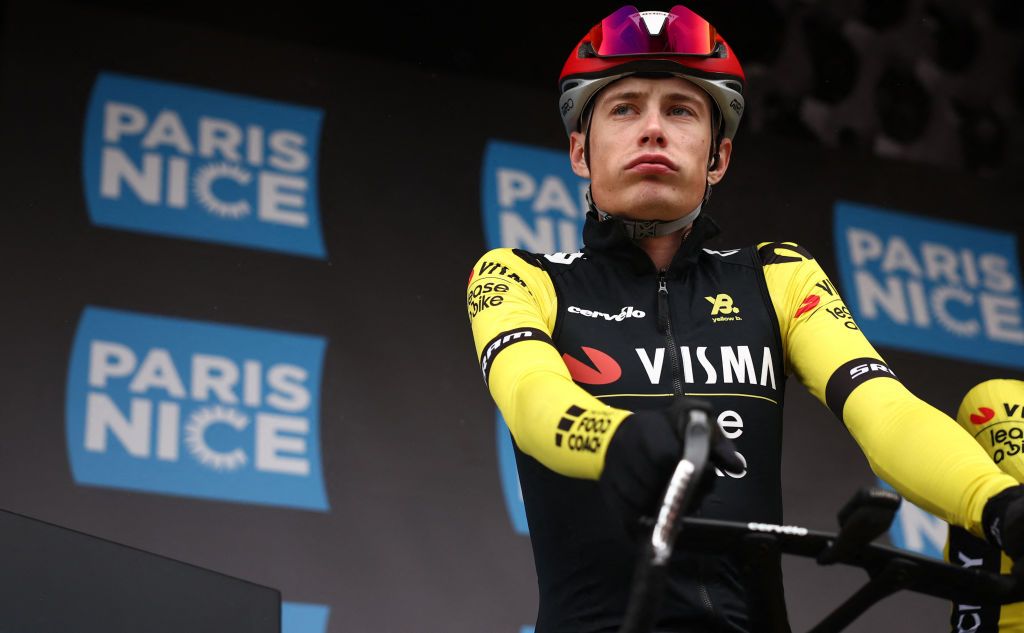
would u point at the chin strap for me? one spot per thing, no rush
(637, 229)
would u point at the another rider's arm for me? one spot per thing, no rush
(512, 307)
(916, 448)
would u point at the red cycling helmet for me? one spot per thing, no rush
(630, 42)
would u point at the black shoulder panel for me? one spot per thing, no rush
(770, 256)
(527, 257)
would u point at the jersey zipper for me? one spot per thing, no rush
(665, 326)
(704, 594)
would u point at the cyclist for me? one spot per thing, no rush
(584, 353)
(993, 412)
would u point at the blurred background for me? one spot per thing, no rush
(237, 240)
(933, 81)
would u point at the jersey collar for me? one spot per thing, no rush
(610, 237)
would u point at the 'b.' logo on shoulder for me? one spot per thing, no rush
(190, 162)
(165, 405)
(721, 304)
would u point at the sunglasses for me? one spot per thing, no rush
(625, 33)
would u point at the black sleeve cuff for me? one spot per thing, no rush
(993, 516)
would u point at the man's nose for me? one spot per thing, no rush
(653, 130)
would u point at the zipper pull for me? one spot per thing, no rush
(662, 305)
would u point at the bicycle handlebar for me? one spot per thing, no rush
(649, 577)
(862, 519)
(933, 577)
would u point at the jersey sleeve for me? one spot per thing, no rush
(911, 445)
(512, 307)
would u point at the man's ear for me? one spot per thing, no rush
(577, 143)
(724, 153)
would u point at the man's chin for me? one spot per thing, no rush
(644, 201)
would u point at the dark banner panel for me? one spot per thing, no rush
(235, 332)
(55, 580)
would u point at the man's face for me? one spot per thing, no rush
(650, 140)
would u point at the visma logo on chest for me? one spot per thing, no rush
(195, 409)
(531, 199)
(178, 160)
(932, 286)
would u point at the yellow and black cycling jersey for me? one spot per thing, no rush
(570, 344)
(993, 412)
(968, 550)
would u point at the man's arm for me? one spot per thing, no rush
(916, 448)
(512, 306)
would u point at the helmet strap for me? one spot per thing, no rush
(638, 229)
(586, 139)
(716, 136)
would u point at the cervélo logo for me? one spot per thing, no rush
(627, 312)
(932, 286)
(165, 405)
(178, 160)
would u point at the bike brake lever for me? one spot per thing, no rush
(864, 518)
(685, 481)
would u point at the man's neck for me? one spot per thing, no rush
(661, 249)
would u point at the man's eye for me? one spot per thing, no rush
(621, 109)
(680, 111)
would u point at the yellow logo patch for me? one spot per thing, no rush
(721, 304)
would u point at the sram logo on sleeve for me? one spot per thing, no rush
(165, 405)
(177, 160)
(531, 199)
(932, 286)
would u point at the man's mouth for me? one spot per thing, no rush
(656, 163)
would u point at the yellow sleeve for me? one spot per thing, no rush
(512, 308)
(914, 447)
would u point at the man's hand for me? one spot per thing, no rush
(641, 458)
(1003, 523)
